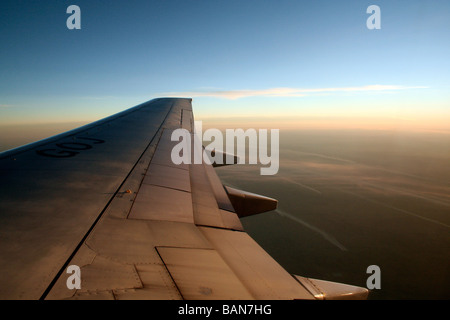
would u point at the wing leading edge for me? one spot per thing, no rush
(107, 198)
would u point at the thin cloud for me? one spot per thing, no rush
(6, 105)
(287, 92)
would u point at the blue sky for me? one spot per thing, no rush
(236, 58)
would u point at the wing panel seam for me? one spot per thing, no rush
(60, 272)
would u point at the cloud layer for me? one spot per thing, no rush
(285, 92)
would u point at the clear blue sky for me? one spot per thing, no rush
(231, 56)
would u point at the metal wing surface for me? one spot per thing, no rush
(107, 198)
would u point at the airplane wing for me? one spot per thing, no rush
(107, 198)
